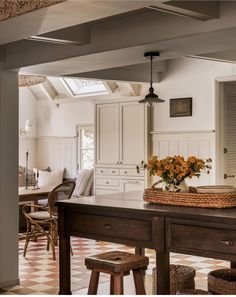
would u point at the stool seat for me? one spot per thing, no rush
(117, 264)
(116, 261)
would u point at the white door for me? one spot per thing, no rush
(132, 135)
(107, 133)
(230, 140)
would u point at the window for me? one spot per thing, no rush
(85, 138)
(85, 87)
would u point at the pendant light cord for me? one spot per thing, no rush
(151, 73)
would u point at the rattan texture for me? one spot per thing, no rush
(191, 199)
(193, 292)
(222, 282)
(181, 278)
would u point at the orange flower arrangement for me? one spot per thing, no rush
(173, 170)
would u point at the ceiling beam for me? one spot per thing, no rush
(120, 74)
(62, 15)
(178, 37)
(77, 35)
(201, 10)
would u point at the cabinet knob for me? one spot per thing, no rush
(226, 242)
(101, 171)
(107, 227)
(107, 182)
(125, 172)
(113, 171)
(121, 162)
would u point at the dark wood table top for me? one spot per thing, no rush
(133, 201)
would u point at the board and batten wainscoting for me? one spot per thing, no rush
(57, 153)
(187, 143)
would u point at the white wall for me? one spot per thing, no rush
(56, 144)
(61, 121)
(194, 78)
(27, 111)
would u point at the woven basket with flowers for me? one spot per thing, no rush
(173, 171)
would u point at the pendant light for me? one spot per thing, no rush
(151, 98)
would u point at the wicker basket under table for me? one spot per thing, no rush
(181, 278)
(222, 282)
(191, 199)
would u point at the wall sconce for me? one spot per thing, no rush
(25, 131)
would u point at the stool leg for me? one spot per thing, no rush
(93, 283)
(118, 285)
(112, 285)
(138, 282)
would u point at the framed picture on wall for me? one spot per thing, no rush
(181, 107)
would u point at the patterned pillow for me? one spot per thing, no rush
(88, 187)
(84, 183)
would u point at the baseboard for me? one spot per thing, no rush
(10, 283)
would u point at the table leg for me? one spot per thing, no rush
(232, 264)
(64, 255)
(163, 273)
(139, 251)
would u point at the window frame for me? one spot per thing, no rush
(79, 148)
(88, 94)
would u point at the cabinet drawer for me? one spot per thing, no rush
(200, 238)
(112, 171)
(101, 171)
(132, 185)
(125, 171)
(107, 182)
(105, 226)
(105, 191)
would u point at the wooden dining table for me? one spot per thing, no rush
(125, 218)
(32, 194)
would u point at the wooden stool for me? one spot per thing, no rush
(117, 264)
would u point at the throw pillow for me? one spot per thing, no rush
(84, 183)
(53, 178)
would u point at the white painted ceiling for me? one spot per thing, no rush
(110, 37)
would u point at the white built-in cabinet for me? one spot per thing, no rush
(122, 142)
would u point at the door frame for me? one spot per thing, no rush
(219, 127)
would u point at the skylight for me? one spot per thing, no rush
(85, 87)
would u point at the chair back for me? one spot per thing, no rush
(63, 191)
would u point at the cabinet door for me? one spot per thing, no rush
(107, 133)
(132, 133)
(132, 185)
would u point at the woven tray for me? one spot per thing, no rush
(191, 199)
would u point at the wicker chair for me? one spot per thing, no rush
(44, 222)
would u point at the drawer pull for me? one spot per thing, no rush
(226, 242)
(132, 182)
(107, 182)
(125, 172)
(113, 171)
(107, 227)
(101, 171)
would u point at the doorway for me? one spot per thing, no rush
(226, 132)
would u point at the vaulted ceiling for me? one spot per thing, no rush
(107, 39)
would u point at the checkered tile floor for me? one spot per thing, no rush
(39, 273)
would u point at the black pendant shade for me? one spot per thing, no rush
(151, 98)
